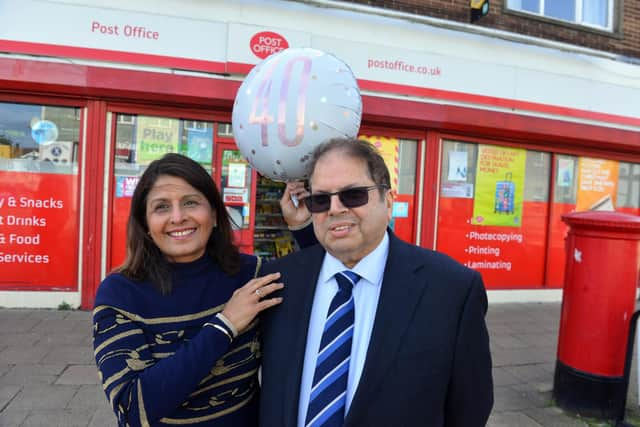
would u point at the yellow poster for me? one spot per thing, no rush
(597, 184)
(156, 136)
(500, 173)
(388, 148)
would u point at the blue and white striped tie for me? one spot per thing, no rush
(329, 390)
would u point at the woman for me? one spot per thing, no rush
(174, 329)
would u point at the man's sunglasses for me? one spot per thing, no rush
(350, 198)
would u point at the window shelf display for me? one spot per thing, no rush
(272, 238)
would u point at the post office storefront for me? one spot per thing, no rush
(483, 167)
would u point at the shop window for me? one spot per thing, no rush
(407, 153)
(126, 119)
(492, 211)
(225, 130)
(39, 138)
(592, 13)
(565, 185)
(272, 238)
(138, 141)
(582, 184)
(142, 139)
(458, 170)
(629, 187)
(537, 173)
(588, 183)
(39, 196)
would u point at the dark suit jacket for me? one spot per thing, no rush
(428, 362)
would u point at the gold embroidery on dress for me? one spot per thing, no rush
(134, 362)
(169, 337)
(138, 365)
(115, 377)
(162, 355)
(225, 381)
(142, 410)
(114, 392)
(186, 421)
(159, 320)
(116, 338)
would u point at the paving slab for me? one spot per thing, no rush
(13, 418)
(103, 417)
(20, 324)
(4, 368)
(502, 377)
(79, 375)
(48, 315)
(35, 397)
(507, 341)
(89, 396)
(73, 338)
(48, 376)
(530, 372)
(522, 356)
(14, 355)
(57, 326)
(19, 338)
(511, 419)
(58, 418)
(7, 394)
(32, 374)
(76, 355)
(554, 417)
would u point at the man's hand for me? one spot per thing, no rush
(295, 216)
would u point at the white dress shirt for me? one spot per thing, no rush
(366, 294)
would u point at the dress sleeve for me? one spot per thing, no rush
(142, 390)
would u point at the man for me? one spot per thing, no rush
(410, 344)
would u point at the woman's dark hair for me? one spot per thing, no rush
(359, 149)
(144, 259)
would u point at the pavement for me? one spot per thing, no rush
(48, 376)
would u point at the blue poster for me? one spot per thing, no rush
(200, 145)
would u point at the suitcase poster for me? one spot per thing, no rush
(505, 195)
(499, 186)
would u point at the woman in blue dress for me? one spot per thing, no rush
(175, 327)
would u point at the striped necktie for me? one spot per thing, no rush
(329, 390)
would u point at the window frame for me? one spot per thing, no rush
(612, 16)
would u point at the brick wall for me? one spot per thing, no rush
(625, 40)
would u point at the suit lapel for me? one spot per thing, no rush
(399, 296)
(300, 282)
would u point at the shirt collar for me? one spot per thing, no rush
(370, 268)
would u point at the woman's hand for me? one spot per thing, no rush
(249, 300)
(294, 216)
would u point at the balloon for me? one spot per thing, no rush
(290, 103)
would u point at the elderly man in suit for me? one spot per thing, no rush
(372, 331)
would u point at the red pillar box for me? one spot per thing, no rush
(601, 277)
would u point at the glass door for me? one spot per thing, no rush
(400, 156)
(137, 141)
(235, 177)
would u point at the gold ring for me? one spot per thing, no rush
(257, 292)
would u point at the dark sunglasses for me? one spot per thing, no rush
(350, 198)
